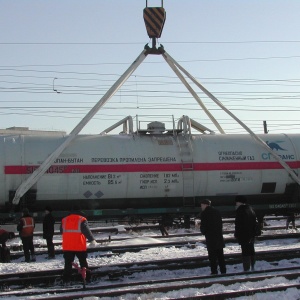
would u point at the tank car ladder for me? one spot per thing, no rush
(187, 163)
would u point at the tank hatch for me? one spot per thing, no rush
(156, 127)
(153, 128)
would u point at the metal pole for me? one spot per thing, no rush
(38, 173)
(171, 63)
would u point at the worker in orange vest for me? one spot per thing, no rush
(75, 231)
(26, 227)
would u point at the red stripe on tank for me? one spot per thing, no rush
(131, 168)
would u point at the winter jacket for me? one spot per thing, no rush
(26, 226)
(48, 226)
(245, 221)
(212, 227)
(75, 231)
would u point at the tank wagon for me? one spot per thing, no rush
(151, 172)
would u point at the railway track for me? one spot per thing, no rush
(34, 284)
(200, 283)
(30, 285)
(107, 245)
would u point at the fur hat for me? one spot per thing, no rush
(241, 199)
(49, 208)
(25, 211)
(77, 211)
(205, 201)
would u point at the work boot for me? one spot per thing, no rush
(222, 265)
(246, 263)
(88, 275)
(252, 258)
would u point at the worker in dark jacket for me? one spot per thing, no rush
(5, 236)
(212, 227)
(75, 231)
(4, 250)
(245, 222)
(26, 227)
(48, 231)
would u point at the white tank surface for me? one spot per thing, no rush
(151, 169)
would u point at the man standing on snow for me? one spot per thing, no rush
(26, 227)
(212, 227)
(48, 231)
(75, 231)
(4, 250)
(245, 222)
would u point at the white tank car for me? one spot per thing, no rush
(151, 170)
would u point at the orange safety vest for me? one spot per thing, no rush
(72, 237)
(28, 226)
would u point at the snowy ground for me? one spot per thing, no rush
(146, 236)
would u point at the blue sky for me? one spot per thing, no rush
(245, 52)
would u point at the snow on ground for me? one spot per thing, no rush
(151, 254)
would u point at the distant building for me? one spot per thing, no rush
(27, 131)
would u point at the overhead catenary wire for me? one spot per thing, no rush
(142, 42)
(37, 86)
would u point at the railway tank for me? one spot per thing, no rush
(151, 171)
